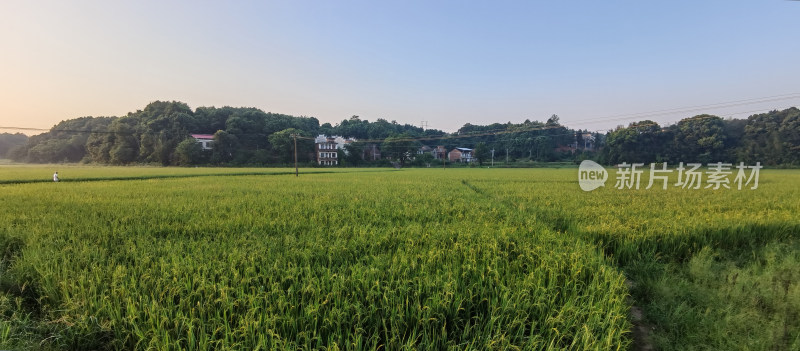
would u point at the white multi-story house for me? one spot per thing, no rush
(327, 149)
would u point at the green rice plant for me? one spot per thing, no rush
(661, 237)
(390, 260)
(163, 258)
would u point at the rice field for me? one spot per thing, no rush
(413, 259)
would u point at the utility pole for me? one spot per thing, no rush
(444, 159)
(296, 173)
(575, 149)
(506, 155)
(492, 157)
(424, 125)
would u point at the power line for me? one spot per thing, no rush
(424, 124)
(469, 135)
(522, 130)
(696, 108)
(25, 128)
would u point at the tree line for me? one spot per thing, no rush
(160, 134)
(8, 141)
(772, 138)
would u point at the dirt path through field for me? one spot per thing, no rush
(641, 329)
(642, 340)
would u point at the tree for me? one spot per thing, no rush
(353, 153)
(122, 153)
(543, 148)
(772, 138)
(65, 142)
(9, 141)
(424, 160)
(188, 152)
(481, 152)
(401, 148)
(553, 121)
(125, 147)
(211, 119)
(283, 145)
(642, 141)
(157, 109)
(734, 134)
(98, 147)
(789, 133)
(225, 147)
(326, 129)
(699, 139)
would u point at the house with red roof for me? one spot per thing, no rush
(205, 140)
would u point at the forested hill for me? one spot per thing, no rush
(154, 136)
(160, 134)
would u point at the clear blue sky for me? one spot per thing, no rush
(596, 64)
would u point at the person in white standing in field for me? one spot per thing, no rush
(55, 176)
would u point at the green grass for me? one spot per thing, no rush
(720, 300)
(184, 258)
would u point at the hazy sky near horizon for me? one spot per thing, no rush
(596, 64)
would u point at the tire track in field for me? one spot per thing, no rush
(551, 220)
(642, 330)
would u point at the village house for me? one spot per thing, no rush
(327, 149)
(588, 141)
(205, 140)
(439, 152)
(460, 154)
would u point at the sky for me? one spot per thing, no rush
(595, 64)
